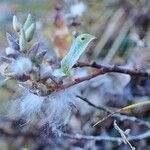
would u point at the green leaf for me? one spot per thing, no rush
(30, 32)
(77, 48)
(28, 22)
(22, 41)
(16, 24)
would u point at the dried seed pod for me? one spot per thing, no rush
(16, 24)
(22, 41)
(30, 32)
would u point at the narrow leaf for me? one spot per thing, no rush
(136, 105)
(28, 22)
(77, 48)
(30, 32)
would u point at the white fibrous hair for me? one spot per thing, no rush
(26, 107)
(21, 66)
(45, 71)
(31, 105)
(54, 109)
(59, 106)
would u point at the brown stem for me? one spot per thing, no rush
(101, 69)
(79, 80)
(117, 69)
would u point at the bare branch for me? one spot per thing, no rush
(93, 105)
(90, 137)
(123, 134)
(15, 134)
(107, 138)
(117, 69)
(85, 78)
(118, 116)
(101, 69)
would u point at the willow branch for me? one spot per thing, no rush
(113, 68)
(82, 79)
(102, 69)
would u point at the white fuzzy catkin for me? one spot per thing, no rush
(45, 71)
(21, 66)
(54, 109)
(31, 105)
(26, 107)
(59, 106)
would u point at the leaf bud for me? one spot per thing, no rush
(30, 32)
(22, 41)
(16, 24)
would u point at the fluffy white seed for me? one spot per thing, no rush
(26, 107)
(30, 106)
(45, 71)
(58, 108)
(54, 109)
(21, 66)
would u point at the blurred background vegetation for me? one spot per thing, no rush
(122, 28)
